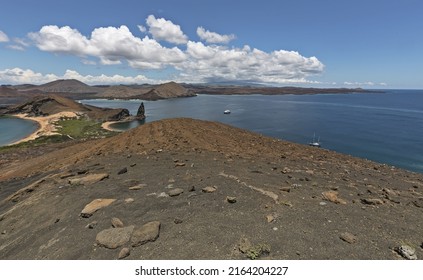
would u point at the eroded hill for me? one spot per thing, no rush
(44, 105)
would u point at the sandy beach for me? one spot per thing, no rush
(106, 126)
(46, 125)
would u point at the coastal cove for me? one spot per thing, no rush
(383, 127)
(14, 129)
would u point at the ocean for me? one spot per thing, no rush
(383, 127)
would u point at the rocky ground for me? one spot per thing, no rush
(188, 189)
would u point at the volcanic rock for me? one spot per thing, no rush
(175, 192)
(407, 252)
(141, 112)
(113, 238)
(117, 223)
(124, 253)
(147, 233)
(231, 199)
(122, 171)
(372, 201)
(209, 189)
(332, 196)
(348, 237)
(137, 187)
(89, 179)
(95, 205)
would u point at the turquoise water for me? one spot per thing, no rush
(14, 129)
(386, 127)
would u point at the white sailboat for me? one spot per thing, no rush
(315, 143)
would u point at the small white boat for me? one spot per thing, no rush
(227, 112)
(315, 143)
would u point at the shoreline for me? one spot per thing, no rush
(106, 126)
(46, 126)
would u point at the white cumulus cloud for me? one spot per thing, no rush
(28, 76)
(109, 44)
(218, 63)
(213, 37)
(104, 79)
(3, 37)
(64, 39)
(24, 76)
(196, 62)
(163, 29)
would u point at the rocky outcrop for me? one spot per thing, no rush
(95, 205)
(147, 233)
(141, 112)
(88, 179)
(44, 105)
(113, 238)
(113, 115)
(38, 106)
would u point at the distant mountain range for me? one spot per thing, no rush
(78, 90)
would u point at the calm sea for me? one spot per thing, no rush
(385, 127)
(14, 129)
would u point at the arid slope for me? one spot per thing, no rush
(189, 189)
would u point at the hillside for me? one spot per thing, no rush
(66, 86)
(121, 92)
(168, 90)
(7, 91)
(44, 105)
(151, 92)
(190, 189)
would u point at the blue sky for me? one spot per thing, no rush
(326, 43)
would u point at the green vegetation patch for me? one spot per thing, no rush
(257, 251)
(69, 129)
(82, 128)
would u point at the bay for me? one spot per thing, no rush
(15, 129)
(383, 127)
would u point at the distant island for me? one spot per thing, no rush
(244, 90)
(75, 89)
